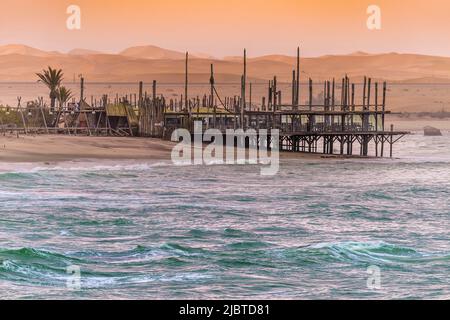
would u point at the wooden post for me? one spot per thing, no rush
(367, 116)
(353, 97)
(243, 96)
(82, 90)
(245, 79)
(275, 94)
(250, 98)
(141, 89)
(212, 95)
(333, 101)
(376, 106)
(186, 81)
(19, 107)
(43, 115)
(293, 88)
(353, 107)
(310, 94)
(391, 140)
(383, 106)
(297, 91)
(141, 108)
(346, 93)
(153, 107)
(364, 93)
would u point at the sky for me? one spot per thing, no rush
(225, 27)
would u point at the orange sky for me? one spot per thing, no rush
(224, 27)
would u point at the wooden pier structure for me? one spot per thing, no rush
(335, 124)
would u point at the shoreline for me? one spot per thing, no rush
(61, 148)
(54, 149)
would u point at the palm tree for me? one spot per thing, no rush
(52, 78)
(63, 95)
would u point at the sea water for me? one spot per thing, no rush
(151, 230)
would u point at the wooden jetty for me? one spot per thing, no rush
(335, 124)
(338, 125)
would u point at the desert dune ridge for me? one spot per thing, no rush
(147, 63)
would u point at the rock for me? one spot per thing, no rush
(432, 132)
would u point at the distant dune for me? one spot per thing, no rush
(82, 52)
(25, 50)
(152, 52)
(146, 63)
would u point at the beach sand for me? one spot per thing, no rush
(53, 149)
(57, 148)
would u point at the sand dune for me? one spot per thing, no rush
(83, 52)
(20, 63)
(152, 52)
(26, 51)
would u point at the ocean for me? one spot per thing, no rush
(319, 229)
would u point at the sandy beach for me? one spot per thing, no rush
(57, 148)
(52, 149)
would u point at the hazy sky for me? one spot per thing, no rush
(224, 27)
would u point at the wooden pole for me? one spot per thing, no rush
(270, 96)
(275, 94)
(141, 108)
(376, 106)
(43, 115)
(244, 84)
(353, 104)
(383, 106)
(250, 97)
(346, 93)
(212, 95)
(310, 94)
(153, 107)
(333, 95)
(293, 89)
(367, 116)
(19, 107)
(186, 81)
(245, 79)
(364, 93)
(391, 141)
(297, 91)
(82, 90)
